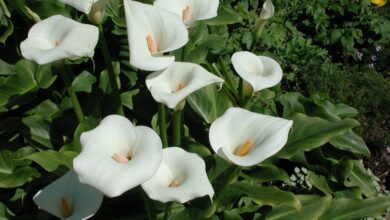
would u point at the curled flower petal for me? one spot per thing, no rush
(57, 38)
(190, 10)
(116, 156)
(268, 10)
(67, 198)
(81, 5)
(181, 177)
(246, 138)
(152, 31)
(173, 85)
(259, 71)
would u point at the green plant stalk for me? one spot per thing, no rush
(72, 94)
(177, 123)
(232, 173)
(110, 69)
(168, 210)
(241, 95)
(150, 211)
(163, 124)
(260, 24)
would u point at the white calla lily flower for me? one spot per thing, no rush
(116, 156)
(179, 80)
(84, 5)
(268, 10)
(68, 199)
(181, 177)
(190, 11)
(152, 31)
(57, 38)
(260, 72)
(246, 138)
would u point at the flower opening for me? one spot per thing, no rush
(244, 149)
(187, 13)
(65, 208)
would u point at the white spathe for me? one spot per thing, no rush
(57, 38)
(100, 163)
(268, 10)
(237, 126)
(181, 177)
(260, 72)
(84, 5)
(165, 85)
(150, 27)
(83, 201)
(198, 9)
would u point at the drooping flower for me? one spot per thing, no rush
(246, 138)
(174, 84)
(153, 31)
(190, 11)
(268, 10)
(181, 177)
(379, 3)
(116, 156)
(57, 38)
(260, 72)
(68, 199)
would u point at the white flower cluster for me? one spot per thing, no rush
(299, 179)
(117, 156)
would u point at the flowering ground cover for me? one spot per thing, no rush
(194, 109)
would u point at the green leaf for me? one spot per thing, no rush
(313, 206)
(291, 104)
(39, 130)
(265, 174)
(209, 103)
(360, 177)
(44, 76)
(6, 162)
(50, 160)
(345, 111)
(18, 177)
(310, 132)
(47, 109)
(272, 196)
(83, 82)
(351, 142)
(127, 98)
(346, 209)
(226, 15)
(319, 182)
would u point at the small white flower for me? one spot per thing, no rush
(268, 10)
(68, 199)
(259, 71)
(116, 156)
(173, 85)
(190, 10)
(153, 31)
(246, 138)
(57, 38)
(181, 178)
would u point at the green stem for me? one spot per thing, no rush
(110, 70)
(241, 92)
(148, 205)
(168, 210)
(163, 124)
(73, 97)
(177, 128)
(260, 24)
